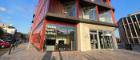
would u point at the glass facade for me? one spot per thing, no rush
(71, 10)
(105, 3)
(105, 39)
(94, 40)
(106, 17)
(90, 14)
(98, 1)
(61, 34)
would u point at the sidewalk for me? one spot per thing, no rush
(22, 53)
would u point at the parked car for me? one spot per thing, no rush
(6, 39)
(4, 44)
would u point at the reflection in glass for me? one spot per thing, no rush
(62, 34)
(106, 17)
(90, 13)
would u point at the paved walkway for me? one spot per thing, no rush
(3, 51)
(22, 53)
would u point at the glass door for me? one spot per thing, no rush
(101, 39)
(105, 39)
(93, 40)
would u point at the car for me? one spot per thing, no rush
(6, 39)
(4, 44)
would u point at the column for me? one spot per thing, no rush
(125, 31)
(97, 12)
(130, 29)
(138, 25)
(114, 41)
(98, 39)
(134, 27)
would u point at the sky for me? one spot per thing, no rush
(19, 13)
(123, 8)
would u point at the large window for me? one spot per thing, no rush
(106, 17)
(90, 13)
(63, 34)
(105, 40)
(71, 9)
(97, 1)
(105, 2)
(63, 7)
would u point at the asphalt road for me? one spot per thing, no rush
(3, 51)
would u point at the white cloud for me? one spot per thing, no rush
(2, 9)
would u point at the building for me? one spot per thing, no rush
(74, 25)
(129, 28)
(8, 28)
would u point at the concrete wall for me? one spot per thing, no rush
(83, 34)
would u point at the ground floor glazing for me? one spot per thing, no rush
(69, 37)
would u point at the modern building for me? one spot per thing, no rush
(74, 25)
(129, 28)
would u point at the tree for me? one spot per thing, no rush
(1, 31)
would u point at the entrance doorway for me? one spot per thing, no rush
(101, 39)
(106, 41)
(93, 40)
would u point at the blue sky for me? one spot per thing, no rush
(20, 12)
(124, 7)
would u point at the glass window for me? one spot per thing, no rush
(98, 1)
(106, 17)
(62, 33)
(93, 39)
(105, 3)
(72, 10)
(90, 14)
(106, 40)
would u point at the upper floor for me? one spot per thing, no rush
(88, 10)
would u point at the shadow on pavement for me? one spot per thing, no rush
(60, 55)
(14, 48)
(48, 56)
(17, 50)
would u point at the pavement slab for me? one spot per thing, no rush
(22, 53)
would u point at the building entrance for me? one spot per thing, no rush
(101, 39)
(93, 40)
(106, 40)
